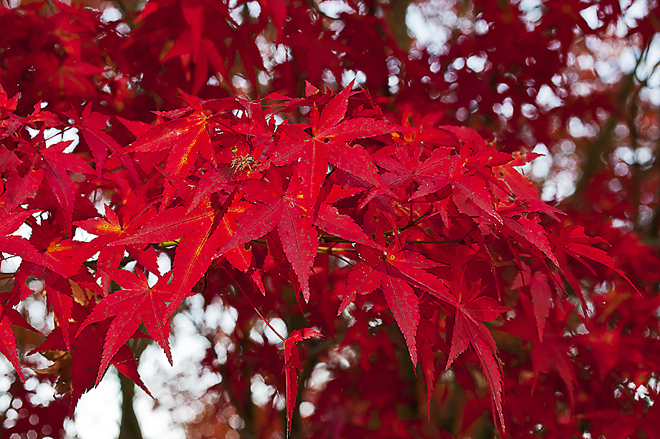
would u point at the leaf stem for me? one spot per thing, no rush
(252, 304)
(425, 216)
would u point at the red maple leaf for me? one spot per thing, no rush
(328, 143)
(86, 352)
(200, 239)
(574, 242)
(396, 271)
(91, 126)
(290, 213)
(135, 304)
(16, 245)
(184, 139)
(331, 221)
(56, 165)
(108, 230)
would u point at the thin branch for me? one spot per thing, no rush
(449, 241)
(335, 250)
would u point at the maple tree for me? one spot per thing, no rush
(316, 163)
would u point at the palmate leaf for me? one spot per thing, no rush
(573, 241)
(331, 221)
(169, 225)
(91, 126)
(130, 307)
(107, 229)
(15, 245)
(532, 232)
(431, 175)
(185, 139)
(442, 193)
(194, 255)
(392, 270)
(396, 271)
(328, 143)
(200, 239)
(111, 229)
(343, 226)
(17, 189)
(57, 165)
(80, 371)
(239, 257)
(290, 213)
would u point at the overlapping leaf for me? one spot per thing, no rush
(287, 210)
(200, 239)
(328, 143)
(135, 304)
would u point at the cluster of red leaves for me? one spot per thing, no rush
(416, 238)
(407, 211)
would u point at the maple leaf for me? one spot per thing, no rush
(91, 125)
(532, 232)
(527, 197)
(395, 271)
(200, 239)
(289, 212)
(239, 257)
(184, 138)
(107, 231)
(78, 368)
(56, 165)
(17, 189)
(229, 170)
(431, 175)
(135, 304)
(211, 182)
(291, 365)
(8, 105)
(327, 144)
